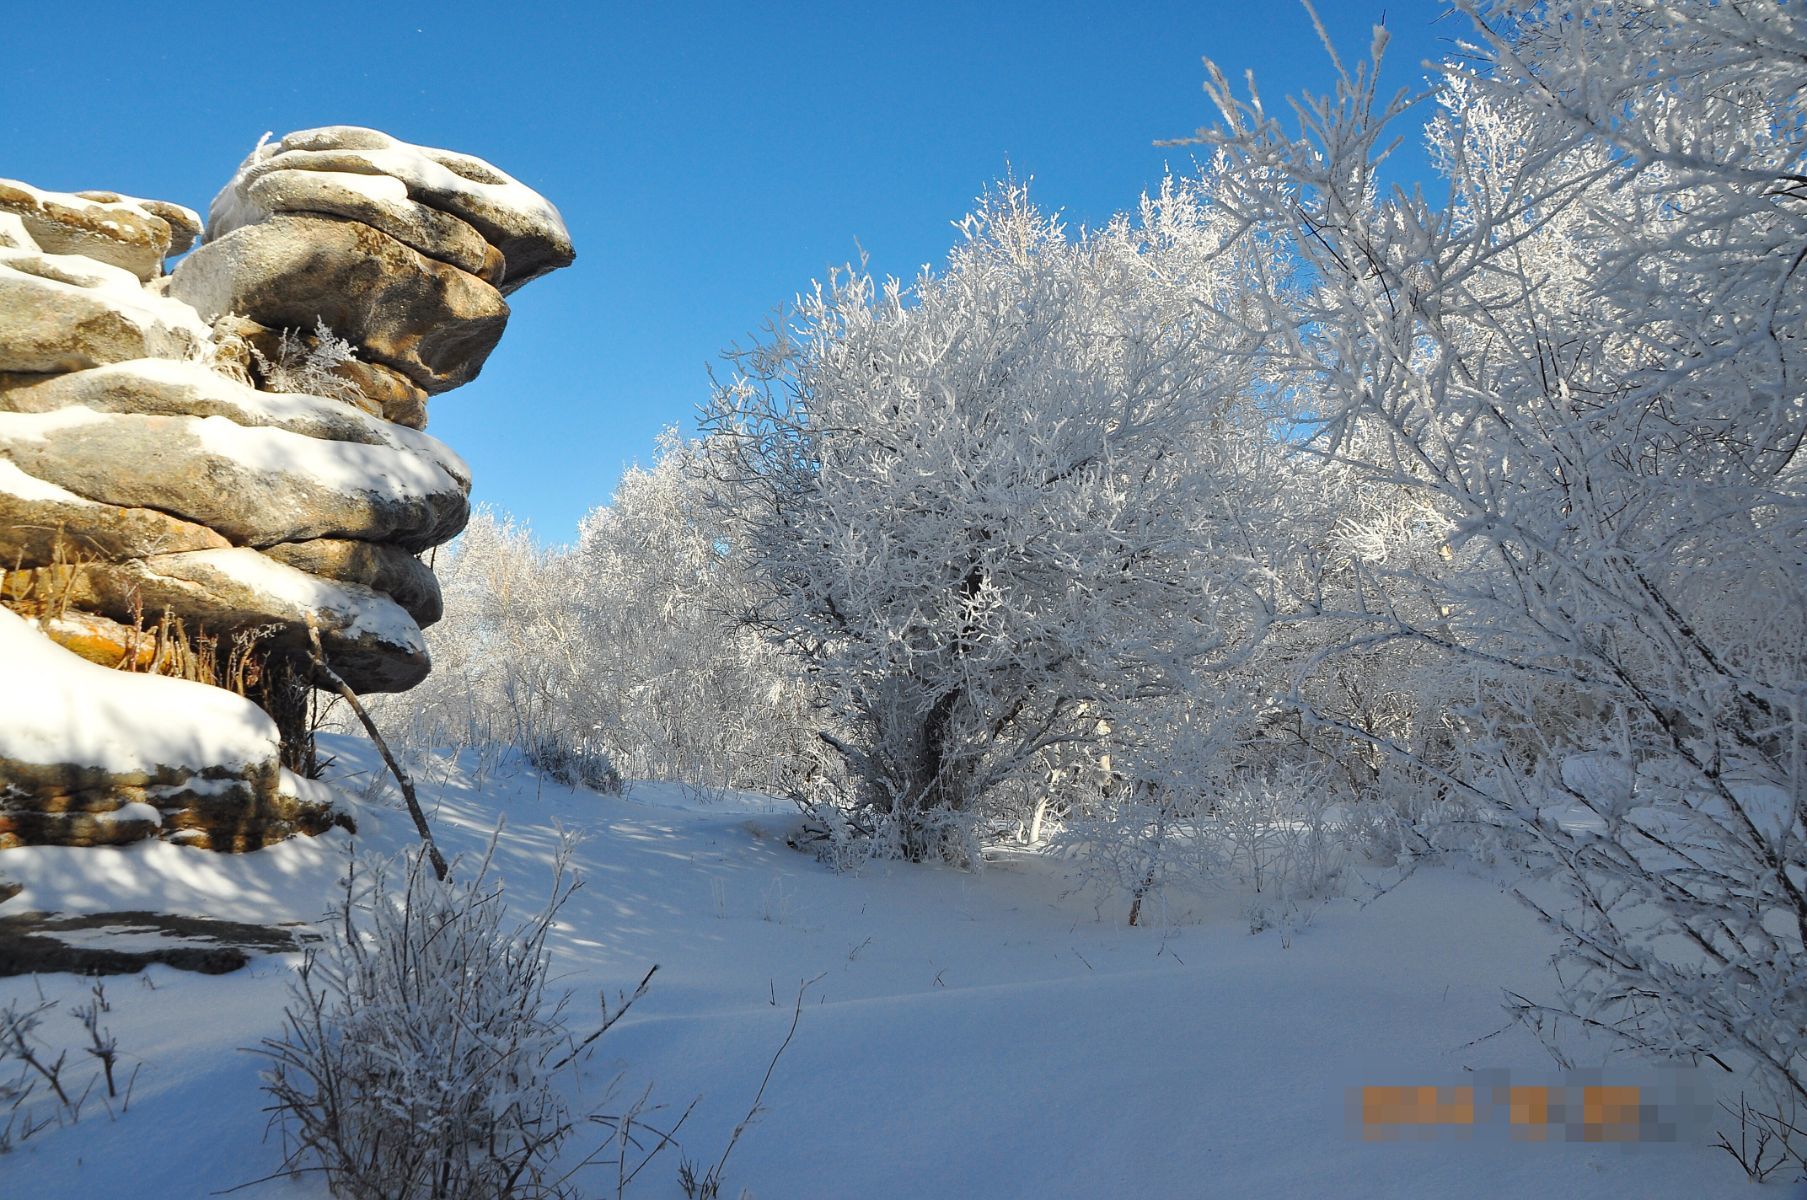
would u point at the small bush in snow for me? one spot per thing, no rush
(39, 1087)
(574, 762)
(1176, 822)
(420, 1058)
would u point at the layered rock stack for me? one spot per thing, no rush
(197, 467)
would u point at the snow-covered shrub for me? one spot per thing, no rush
(1278, 838)
(304, 363)
(574, 762)
(1137, 804)
(39, 1086)
(421, 1058)
(1142, 842)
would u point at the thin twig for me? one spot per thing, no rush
(710, 1185)
(608, 1021)
(338, 684)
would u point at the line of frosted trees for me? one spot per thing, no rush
(1474, 511)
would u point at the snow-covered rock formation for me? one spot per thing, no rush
(197, 467)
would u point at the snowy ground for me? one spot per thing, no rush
(968, 1034)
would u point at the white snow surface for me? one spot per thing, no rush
(58, 708)
(384, 190)
(13, 234)
(138, 810)
(15, 482)
(36, 426)
(76, 270)
(981, 1034)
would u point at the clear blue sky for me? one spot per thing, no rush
(710, 159)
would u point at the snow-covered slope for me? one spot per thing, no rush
(980, 1034)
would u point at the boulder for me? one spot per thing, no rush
(153, 387)
(254, 352)
(430, 321)
(184, 223)
(380, 201)
(382, 568)
(264, 359)
(109, 643)
(510, 216)
(201, 472)
(80, 758)
(118, 826)
(255, 485)
(60, 312)
(399, 399)
(368, 638)
(33, 942)
(123, 231)
(41, 524)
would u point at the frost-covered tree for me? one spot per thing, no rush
(497, 673)
(989, 510)
(620, 651)
(1584, 365)
(679, 688)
